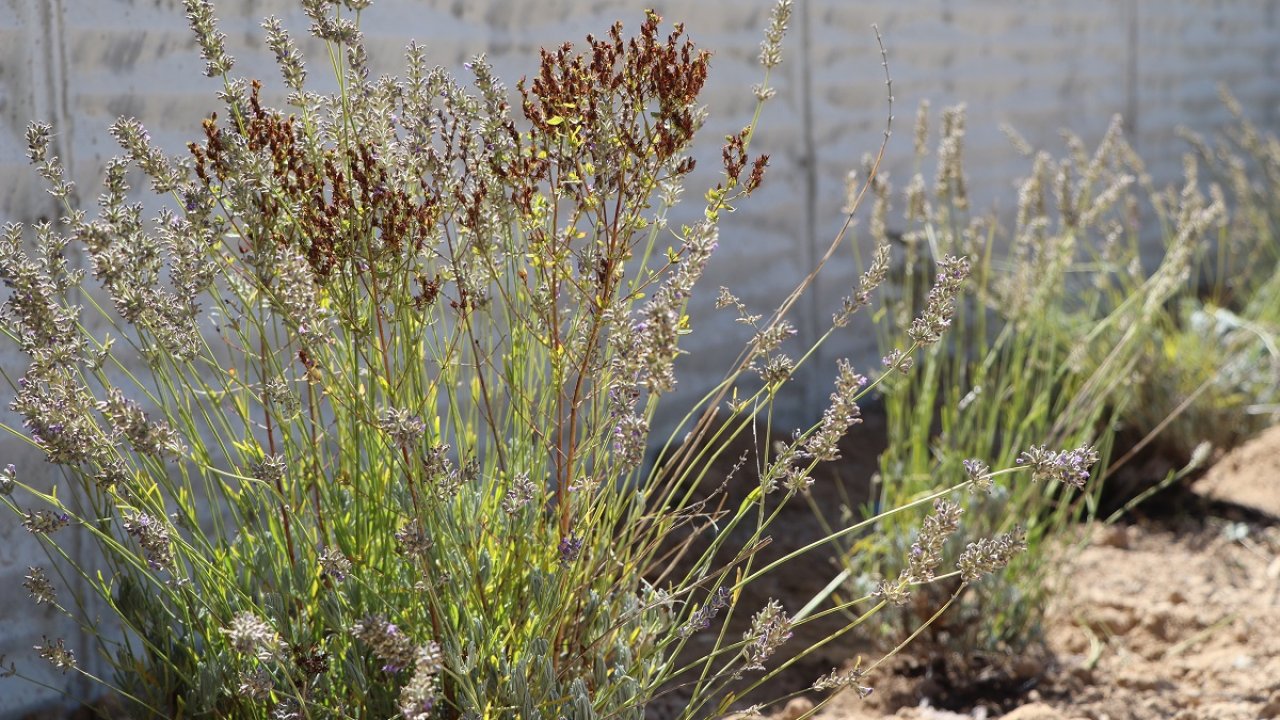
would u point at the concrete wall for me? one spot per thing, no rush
(1037, 64)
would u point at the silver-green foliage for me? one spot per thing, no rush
(359, 424)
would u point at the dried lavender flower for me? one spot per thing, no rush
(841, 414)
(784, 468)
(287, 56)
(57, 410)
(1031, 200)
(297, 296)
(1070, 467)
(979, 474)
(879, 224)
(894, 592)
(771, 338)
(135, 140)
(649, 349)
(990, 554)
(852, 191)
(404, 428)
(702, 617)
(252, 636)
(57, 654)
(42, 325)
(898, 360)
(926, 552)
(286, 709)
(44, 522)
(145, 436)
(153, 536)
(522, 492)
(270, 469)
(1098, 206)
(388, 643)
(256, 684)
(630, 436)
(441, 474)
(212, 42)
(333, 29)
(770, 628)
(917, 202)
(8, 479)
(413, 540)
(921, 129)
(870, 280)
(282, 399)
(333, 564)
(950, 181)
(38, 141)
(837, 680)
(771, 48)
(418, 696)
(797, 478)
(725, 299)
(940, 305)
(570, 549)
(777, 370)
(1063, 194)
(37, 584)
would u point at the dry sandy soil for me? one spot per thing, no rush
(1176, 616)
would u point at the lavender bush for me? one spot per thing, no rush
(365, 432)
(1066, 340)
(1212, 373)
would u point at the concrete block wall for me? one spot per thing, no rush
(1036, 64)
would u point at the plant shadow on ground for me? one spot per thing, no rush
(844, 488)
(844, 483)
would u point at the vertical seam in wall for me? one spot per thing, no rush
(1270, 65)
(59, 39)
(1131, 75)
(48, 15)
(809, 326)
(59, 105)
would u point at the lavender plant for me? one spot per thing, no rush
(359, 422)
(1047, 352)
(1213, 368)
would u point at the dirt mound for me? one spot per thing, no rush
(1248, 476)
